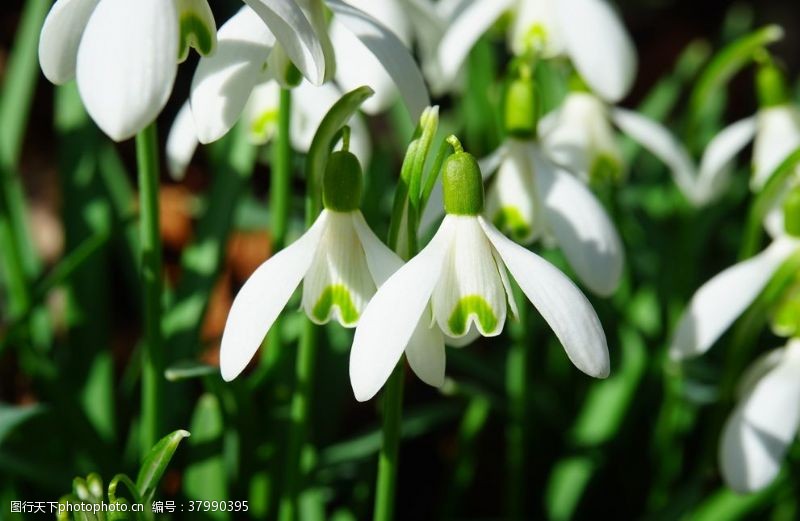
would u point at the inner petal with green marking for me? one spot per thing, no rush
(195, 33)
(472, 308)
(336, 299)
(511, 222)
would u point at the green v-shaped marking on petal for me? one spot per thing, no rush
(510, 220)
(195, 33)
(469, 306)
(339, 296)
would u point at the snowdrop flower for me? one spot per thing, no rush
(124, 54)
(260, 115)
(586, 31)
(774, 131)
(765, 421)
(339, 260)
(580, 136)
(458, 283)
(721, 300)
(266, 36)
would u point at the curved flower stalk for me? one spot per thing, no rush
(266, 36)
(580, 137)
(124, 54)
(765, 422)
(260, 116)
(458, 283)
(588, 32)
(339, 260)
(774, 131)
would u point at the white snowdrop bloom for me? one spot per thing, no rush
(260, 114)
(124, 54)
(266, 36)
(339, 260)
(765, 421)
(774, 131)
(580, 136)
(458, 283)
(589, 32)
(530, 196)
(721, 300)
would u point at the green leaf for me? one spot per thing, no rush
(332, 123)
(187, 369)
(205, 477)
(156, 463)
(12, 417)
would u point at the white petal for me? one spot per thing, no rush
(762, 365)
(356, 66)
(223, 82)
(599, 46)
(338, 284)
(262, 111)
(61, 34)
(296, 35)
(536, 30)
(720, 301)
(394, 14)
(662, 144)
(513, 202)
(560, 303)
(470, 290)
(127, 64)
(582, 136)
(390, 52)
(465, 30)
(429, 28)
(181, 143)
(381, 260)
(472, 335)
(581, 226)
(763, 425)
(388, 323)
(778, 136)
(262, 298)
(718, 155)
(425, 353)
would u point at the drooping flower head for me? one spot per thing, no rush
(124, 54)
(458, 283)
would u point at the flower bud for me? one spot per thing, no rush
(462, 183)
(342, 182)
(521, 108)
(771, 86)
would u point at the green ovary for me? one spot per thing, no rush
(336, 296)
(195, 33)
(472, 305)
(510, 220)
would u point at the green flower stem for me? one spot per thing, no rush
(387, 459)
(517, 427)
(151, 269)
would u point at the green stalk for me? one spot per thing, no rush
(151, 269)
(387, 459)
(516, 429)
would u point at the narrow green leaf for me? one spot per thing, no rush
(155, 463)
(205, 477)
(12, 416)
(188, 369)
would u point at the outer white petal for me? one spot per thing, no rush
(262, 298)
(381, 260)
(465, 30)
(715, 164)
(388, 323)
(224, 81)
(356, 66)
(127, 64)
(394, 14)
(390, 52)
(763, 425)
(599, 46)
(287, 21)
(61, 34)
(581, 226)
(181, 143)
(720, 301)
(560, 303)
(429, 28)
(778, 136)
(662, 144)
(425, 352)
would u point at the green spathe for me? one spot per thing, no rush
(342, 182)
(337, 296)
(462, 184)
(472, 306)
